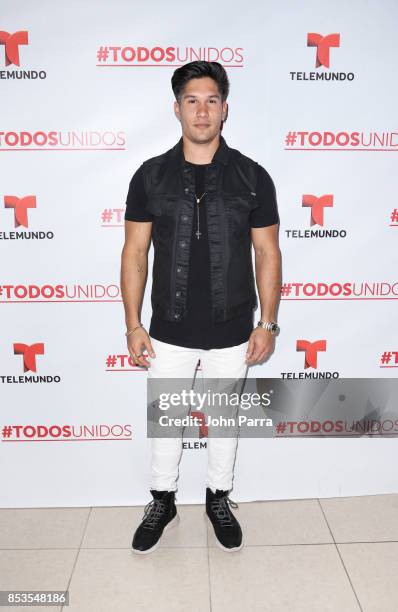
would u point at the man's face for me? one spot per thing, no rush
(201, 110)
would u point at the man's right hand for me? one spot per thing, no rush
(136, 343)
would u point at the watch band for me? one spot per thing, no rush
(271, 326)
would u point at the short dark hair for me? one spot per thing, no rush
(198, 70)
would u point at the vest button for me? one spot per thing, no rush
(176, 315)
(178, 269)
(184, 218)
(186, 189)
(178, 293)
(182, 243)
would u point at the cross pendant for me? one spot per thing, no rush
(198, 234)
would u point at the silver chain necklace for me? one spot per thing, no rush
(198, 233)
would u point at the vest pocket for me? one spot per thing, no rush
(244, 200)
(153, 205)
(163, 223)
(238, 207)
(162, 204)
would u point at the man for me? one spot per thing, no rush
(204, 205)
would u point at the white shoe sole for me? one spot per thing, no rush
(173, 523)
(218, 541)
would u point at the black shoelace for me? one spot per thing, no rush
(221, 509)
(153, 513)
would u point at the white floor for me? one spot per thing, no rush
(323, 555)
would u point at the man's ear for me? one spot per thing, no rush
(225, 112)
(177, 110)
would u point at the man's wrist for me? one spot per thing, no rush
(131, 330)
(268, 317)
(133, 322)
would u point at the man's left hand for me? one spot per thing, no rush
(261, 345)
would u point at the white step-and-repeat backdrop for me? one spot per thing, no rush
(85, 98)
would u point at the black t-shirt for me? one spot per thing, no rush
(198, 330)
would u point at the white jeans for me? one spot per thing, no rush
(173, 361)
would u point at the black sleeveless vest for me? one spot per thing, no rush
(230, 185)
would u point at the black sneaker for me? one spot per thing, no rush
(159, 514)
(226, 527)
